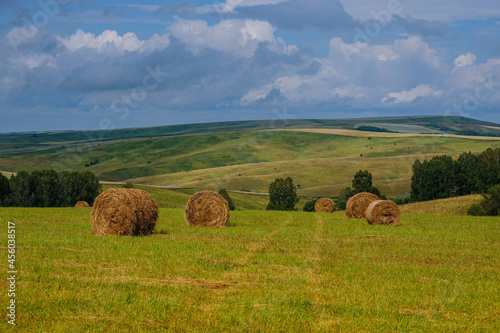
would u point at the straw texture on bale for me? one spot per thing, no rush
(383, 212)
(357, 205)
(82, 204)
(124, 211)
(324, 205)
(207, 209)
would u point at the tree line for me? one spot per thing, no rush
(442, 177)
(48, 188)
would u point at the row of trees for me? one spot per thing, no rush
(442, 177)
(48, 188)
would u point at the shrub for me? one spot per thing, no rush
(489, 206)
(402, 199)
(223, 193)
(309, 206)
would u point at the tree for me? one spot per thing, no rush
(21, 194)
(46, 189)
(488, 169)
(363, 182)
(489, 206)
(223, 193)
(432, 179)
(465, 169)
(282, 195)
(4, 188)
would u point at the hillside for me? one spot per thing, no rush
(320, 155)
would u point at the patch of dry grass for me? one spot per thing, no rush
(450, 206)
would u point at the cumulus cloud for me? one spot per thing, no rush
(464, 60)
(237, 37)
(110, 41)
(359, 74)
(408, 96)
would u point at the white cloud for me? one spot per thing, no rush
(238, 37)
(464, 60)
(111, 41)
(407, 96)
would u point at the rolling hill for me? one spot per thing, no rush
(320, 155)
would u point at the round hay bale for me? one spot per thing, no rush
(383, 212)
(357, 205)
(82, 204)
(324, 205)
(124, 211)
(207, 209)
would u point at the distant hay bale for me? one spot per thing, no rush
(82, 204)
(357, 205)
(324, 205)
(124, 211)
(207, 209)
(383, 212)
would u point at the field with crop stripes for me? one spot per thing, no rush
(267, 272)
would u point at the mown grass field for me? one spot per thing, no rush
(267, 272)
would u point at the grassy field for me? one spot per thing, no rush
(267, 272)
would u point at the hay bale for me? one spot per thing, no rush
(383, 212)
(357, 205)
(82, 204)
(207, 209)
(324, 205)
(124, 211)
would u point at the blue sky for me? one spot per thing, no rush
(86, 64)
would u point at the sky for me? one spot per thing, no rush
(83, 64)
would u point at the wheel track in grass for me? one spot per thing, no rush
(260, 246)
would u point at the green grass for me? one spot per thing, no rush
(267, 272)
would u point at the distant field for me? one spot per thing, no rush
(402, 128)
(365, 134)
(267, 272)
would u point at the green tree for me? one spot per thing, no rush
(282, 195)
(79, 186)
(363, 182)
(90, 187)
(223, 193)
(4, 188)
(490, 205)
(488, 169)
(46, 188)
(465, 169)
(21, 194)
(432, 179)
